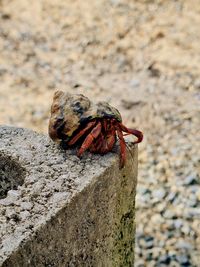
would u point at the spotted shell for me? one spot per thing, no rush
(69, 112)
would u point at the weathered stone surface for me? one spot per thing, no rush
(63, 211)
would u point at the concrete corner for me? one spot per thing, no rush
(58, 210)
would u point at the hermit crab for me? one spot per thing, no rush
(76, 121)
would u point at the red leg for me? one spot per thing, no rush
(137, 133)
(89, 139)
(81, 133)
(97, 144)
(109, 143)
(110, 138)
(103, 144)
(105, 141)
(122, 148)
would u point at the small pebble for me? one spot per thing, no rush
(182, 244)
(178, 223)
(159, 194)
(169, 214)
(164, 259)
(190, 180)
(183, 260)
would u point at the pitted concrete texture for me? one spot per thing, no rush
(58, 210)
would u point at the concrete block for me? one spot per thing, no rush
(58, 210)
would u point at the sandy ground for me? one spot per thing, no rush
(143, 58)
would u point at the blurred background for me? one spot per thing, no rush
(143, 57)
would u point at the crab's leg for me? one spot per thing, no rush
(106, 141)
(137, 133)
(122, 148)
(89, 139)
(96, 146)
(81, 133)
(109, 143)
(110, 139)
(103, 144)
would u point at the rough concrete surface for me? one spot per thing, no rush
(60, 210)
